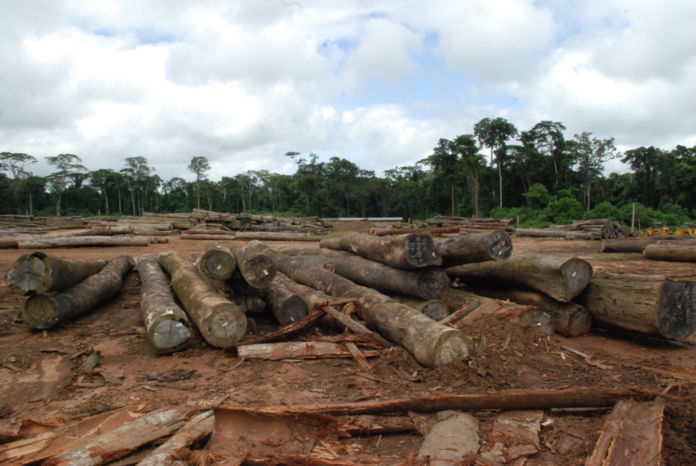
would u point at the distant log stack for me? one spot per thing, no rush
(595, 229)
(466, 224)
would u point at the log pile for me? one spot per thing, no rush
(466, 224)
(595, 229)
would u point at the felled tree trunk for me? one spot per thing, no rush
(321, 252)
(671, 253)
(221, 322)
(218, 262)
(649, 305)
(38, 273)
(201, 237)
(559, 277)
(260, 236)
(44, 311)
(639, 244)
(166, 323)
(457, 300)
(402, 231)
(83, 242)
(433, 308)
(256, 268)
(402, 251)
(285, 305)
(431, 343)
(546, 233)
(476, 247)
(428, 283)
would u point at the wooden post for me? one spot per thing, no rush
(38, 273)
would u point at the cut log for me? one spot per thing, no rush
(297, 350)
(206, 237)
(546, 233)
(221, 322)
(193, 431)
(83, 242)
(38, 273)
(570, 319)
(559, 277)
(218, 262)
(431, 343)
(167, 325)
(671, 253)
(631, 435)
(402, 251)
(423, 231)
(433, 308)
(256, 268)
(649, 305)
(260, 236)
(459, 300)
(285, 305)
(289, 331)
(9, 243)
(639, 244)
(476, 247)
(44, 311)
(331, 253)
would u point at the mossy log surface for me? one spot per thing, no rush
(44, 311)
(286, 306)
(218, 262)
(256, 268)
(167, 325)
(473, 248)
(221, 322)
(38, 273)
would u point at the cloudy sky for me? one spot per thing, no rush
(377, 82)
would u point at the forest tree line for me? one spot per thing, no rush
(495, 171)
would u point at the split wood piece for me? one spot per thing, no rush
(649, 305)
(206, 237)
(358, 356)
(44, 311)
(639, 244)
(401, 231)
(431, 343)
(559, 277)
(473, 248)
(167, 325)
(289, 331)
(428, 283)
(84, 241)
(506, 400)
(434, 308)
(193, 431)
(285, 305)
(569, 319)
(218, 262)
(297, 350)
(122, 440)
(631, 435)
(454, 437)
(38, 273)
(461, 303)
(671, 253)
(256, 268)
(402, 251)
(322, 252)
(221, 322)
(546, 233)
(260, 236)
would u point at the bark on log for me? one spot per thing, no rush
(218, 262)
(649, 305)
(256, 268)
(297, 350)
(260, 236)
(670, 253)
(402, 251)
(38, 273)
(433, 308)
(221, 322)
(543, 233)
(431, 343)
(184, 236)
(193, 431)
(476, 247)
(331, 253)
(424, 231)
(458, 300)
(570, 319)
(84, 241)
(167, 325)
(559, 277)
(9, 243)
(631, 435)
(639, 244)
(285, 305)
(44, 311)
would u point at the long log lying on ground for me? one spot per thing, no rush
(639, 244)
(218, 262)
(332, 253)
(260, 236)
(256, 268)
(207, 237)
(476, 247)
(458, 300)
(546, 233)
(424, 231)
(297, 350)
(559, 277)
(166, 323)
(221, 322)
(285, 305)
(650, 305)
(671, 253)
(570, 319)
(428, 283)
(433, 308)
(193, 431)
(84, 241)
(402, 251)
(38, 273)
(44, 311)
(431, 343)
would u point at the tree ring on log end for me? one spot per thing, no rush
(576, 273)
(452, 346)
(41, 312)
(421, 251)
(259, 271)
(218, 265)
(170, 333)
(500, 246)
(225, 326)
(29, 274)
(676, 317)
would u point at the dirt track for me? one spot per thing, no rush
(39, 374)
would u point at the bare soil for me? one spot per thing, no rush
(40, 374)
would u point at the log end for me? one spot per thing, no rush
(41, 312)
(259, 271)
(421, 251)
(579, 323)
(676, 315)
(435, 309)
(452, 346)
(225, 326)
(169, 334)
(28, 275)
(499, 245)
(577, 274)
(432, 283)
(293, 310)
(218, 265)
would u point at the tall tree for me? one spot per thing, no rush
(590, 154)
(100, 179)
(136, 174)
(68, 167)
(548, 140)
(467, 149)
(644, 161)
(494, 134)
(199, 166)
(14, 163)
(446, 167)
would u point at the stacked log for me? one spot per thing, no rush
(595, 229)
(639, 244)
(466, 224)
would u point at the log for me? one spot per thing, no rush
(450, 440)
(44, 311)
(9, 243)
(458, 300)
(221, 322)
(545, 233)
(431, 343)
(285, 305)
(84, 241)
(648, 305)
(218, 262)
(211, 232)
(38, 273)
(256, 268)
(425, 231)
(207, 237)
(670, 253)
(260, 236)
(192, 432)
(559, 277)
(289, 331)
(331, 253)
(433, 308)
(297, 350)
(402, 251)
(476, 247)
(569, 319)
(639, 244)
(631, 435)
(167, 325)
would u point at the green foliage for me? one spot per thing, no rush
(564, 210)
(537, 196)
